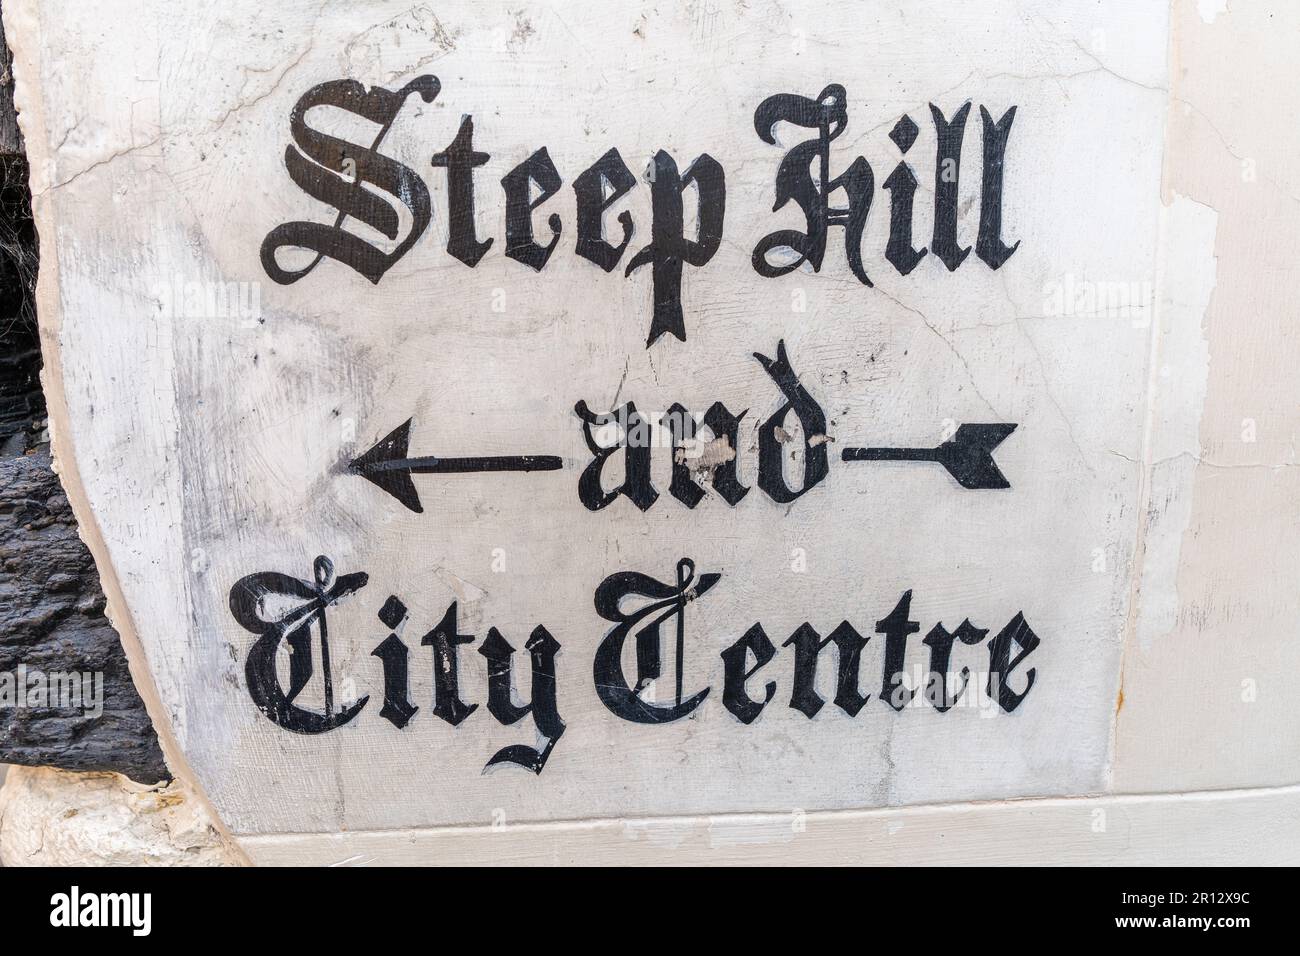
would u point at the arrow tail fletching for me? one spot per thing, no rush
(968, 456)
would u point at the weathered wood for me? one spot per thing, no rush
(52, 620)
(51, 605)
(225, 423)
(237, 432)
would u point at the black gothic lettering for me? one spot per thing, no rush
(902, 185)
(947, 173)
(722, 475)
(498, 652)
(896, 628)
(333, 170)
(592, 202)
(446, 684)
(772, 437)
(518, 183)
(990, 246)
(360, 182)
(1018, 634)
(667, 601)
(828, 114)
(940, 643)
(636, 439)
(808, 646)
(735, 660)
(630, 700)
(248, 607)
(668, 247)
(542, 649)
(460, 160)
(393, 654)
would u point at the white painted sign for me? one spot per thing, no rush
(588, 410)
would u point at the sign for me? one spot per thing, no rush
(596, 410)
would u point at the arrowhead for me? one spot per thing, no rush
(968, 456)
(380, 465)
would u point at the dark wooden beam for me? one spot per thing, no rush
(11, 139)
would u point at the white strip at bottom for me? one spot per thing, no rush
(1258, 827)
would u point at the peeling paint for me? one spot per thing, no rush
(708, 455)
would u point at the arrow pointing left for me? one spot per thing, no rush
(387, 466)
